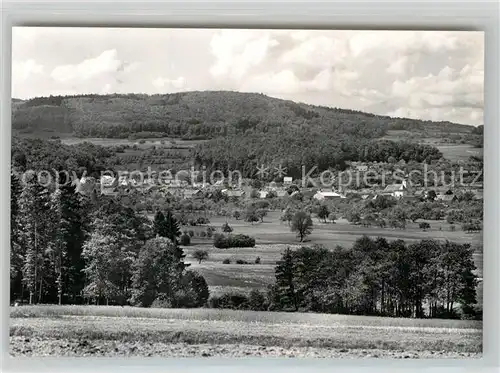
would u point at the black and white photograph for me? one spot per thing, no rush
(236, 193)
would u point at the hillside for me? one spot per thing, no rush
(207, 114)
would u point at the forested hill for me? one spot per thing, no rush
(202, 115)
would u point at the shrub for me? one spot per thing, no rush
(232, 300)
(185, 240)
(200, 255)
(226, 261)
(241, 261)
(191, 233)
(257, 301)
(202, 220)
(424, 226)
(257, 260)
(226, 228)
(222, 241)
(209, 233)
(203, 234)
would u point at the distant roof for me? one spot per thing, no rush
(234, 193)
(394, 188)
(328, 194)
(445, 197)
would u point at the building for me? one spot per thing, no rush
(263, 194)
(395, 190)
(326, 195)
(234, 193)
(446, 197)
(192, 193)
(287, 180)
(281, 193)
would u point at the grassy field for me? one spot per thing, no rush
(273, 236)
(459, 152)
(101, 330)
(453, 152)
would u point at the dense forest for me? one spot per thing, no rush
(207, 115)
(302, 148)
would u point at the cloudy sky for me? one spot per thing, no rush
(418, 74)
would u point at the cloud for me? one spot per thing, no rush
(424, 73)
(169, 85)
(107, 62)
(23, 70)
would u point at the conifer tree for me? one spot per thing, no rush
(34, 208)
(285, 281)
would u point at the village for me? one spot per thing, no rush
(184, 187)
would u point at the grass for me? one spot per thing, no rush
(273, 236)
(200, 326)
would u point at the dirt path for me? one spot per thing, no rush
(35, 346)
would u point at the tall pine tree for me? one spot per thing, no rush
(35, 235)
(16, 250)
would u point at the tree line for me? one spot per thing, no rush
(68, 248)
(376, 277)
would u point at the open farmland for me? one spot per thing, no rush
(128, 331)
(273, 236)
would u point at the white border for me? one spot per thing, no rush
(474, 15)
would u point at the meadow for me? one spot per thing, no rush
(273, 236)
(112, 330)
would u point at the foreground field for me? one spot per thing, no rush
(94, 330)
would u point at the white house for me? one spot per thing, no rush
(322, 195)
(287, 180)
(395, 190)
(263, 193)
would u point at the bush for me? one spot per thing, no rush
(226, 228)
(257, 301)
(222, 241)
(209, 233)
(424, 225)
(200, 255)
(226, 261)
(191, 233)
(232, 300)
(241, 261)
(202, 220)
(193, 293)
(203, 234)
(257, 260)
(185, 240)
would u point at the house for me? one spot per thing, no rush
(281, 193)
(287, 180)
(219, 183)
(263, 193)
(234, 193)
(322, 195)
(478, 194)
(85, 185)
(192, 193)
(412, 198)
(108, 181)
(362, 168)
(395, 190)
(446, 197)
